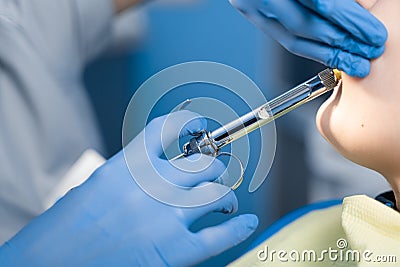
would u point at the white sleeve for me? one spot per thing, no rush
(82, 169)
(71, 30)
(45, 116)
(95, 18)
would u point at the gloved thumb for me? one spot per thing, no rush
(217, 239)
(163, 131)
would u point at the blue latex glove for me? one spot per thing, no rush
(337, 33)
(110, 221)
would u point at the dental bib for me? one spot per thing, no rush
(372, 226)
(360, 232)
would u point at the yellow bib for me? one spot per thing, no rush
(362, 232)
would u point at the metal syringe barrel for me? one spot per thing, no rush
(211, 142)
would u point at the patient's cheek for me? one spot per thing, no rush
(363, 120)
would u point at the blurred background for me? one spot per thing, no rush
(164, 33)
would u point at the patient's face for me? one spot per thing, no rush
(362, 120)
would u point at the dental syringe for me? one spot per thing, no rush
(210, 143)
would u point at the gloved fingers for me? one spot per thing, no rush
(306, 24)
(228, 203)
(335, 58)
(214, 240)
(195, 169)
(163, 131)
(351, 16)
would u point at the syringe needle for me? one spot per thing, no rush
(178, 157)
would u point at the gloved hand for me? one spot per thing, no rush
(337, 33)
(110, 221)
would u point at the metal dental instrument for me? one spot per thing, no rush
(210, 143)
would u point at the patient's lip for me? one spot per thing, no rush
(337, 93)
